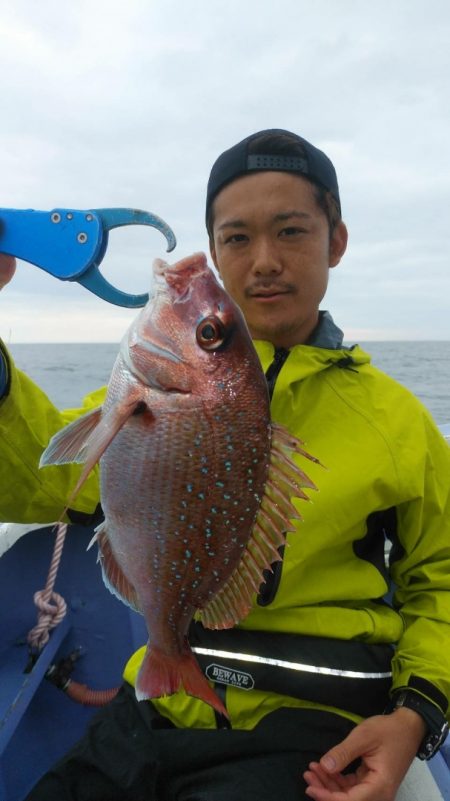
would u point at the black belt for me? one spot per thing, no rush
(348, 674)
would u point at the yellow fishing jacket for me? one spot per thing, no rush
(385, 473)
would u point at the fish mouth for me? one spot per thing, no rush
(150, 380)
(155, 348)
(178, 277)
(192, 264)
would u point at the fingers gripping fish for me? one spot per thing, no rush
(195, 480)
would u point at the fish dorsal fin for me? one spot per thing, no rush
(113, 575)
(273, 520)
(86, 439)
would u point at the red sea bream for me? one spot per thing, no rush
(195, 480)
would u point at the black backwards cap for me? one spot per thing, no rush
(237, 161)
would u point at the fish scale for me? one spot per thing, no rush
(196, 481)
(193, 506)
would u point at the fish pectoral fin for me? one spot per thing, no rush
(68, 445)
(273, 521)
(85, 440)
(113, 575)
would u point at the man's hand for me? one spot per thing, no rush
(7, 269)
(386, 745)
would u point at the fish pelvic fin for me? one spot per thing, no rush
(273, 521)
(113, 575)
(163, 674)
(86, 439)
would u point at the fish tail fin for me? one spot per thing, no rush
(162, 674)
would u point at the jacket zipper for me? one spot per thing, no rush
(273, 370)
(272, 577)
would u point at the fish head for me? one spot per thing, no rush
(190, 330)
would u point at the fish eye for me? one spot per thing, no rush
(210, 333)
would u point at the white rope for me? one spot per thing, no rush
(52, 606)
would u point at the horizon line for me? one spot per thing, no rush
(117, 342)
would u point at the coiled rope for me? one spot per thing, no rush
(51, 606)
(52, 609)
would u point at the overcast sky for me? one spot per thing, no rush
(128, 104)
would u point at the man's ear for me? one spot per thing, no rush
(338, 244)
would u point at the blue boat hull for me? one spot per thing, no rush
(38, 722)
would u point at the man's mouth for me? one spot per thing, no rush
(263, 293)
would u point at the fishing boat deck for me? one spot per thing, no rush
(39, 721)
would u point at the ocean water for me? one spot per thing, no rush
(68, 372)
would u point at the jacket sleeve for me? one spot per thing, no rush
(28, 420)
(421, 566)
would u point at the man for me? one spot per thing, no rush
(274, 221)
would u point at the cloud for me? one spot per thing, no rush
(112, 105)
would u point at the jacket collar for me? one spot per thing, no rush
(324, 349)
(326, 333)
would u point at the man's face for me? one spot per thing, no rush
(272, 248)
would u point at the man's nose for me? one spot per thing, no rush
(265, 259)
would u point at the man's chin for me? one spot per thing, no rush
(280, 336)
(282, 333)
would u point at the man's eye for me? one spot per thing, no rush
(292, 230)
(233, 238)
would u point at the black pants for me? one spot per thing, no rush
(130, 753)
